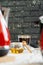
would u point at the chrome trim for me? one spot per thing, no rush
(4, 47)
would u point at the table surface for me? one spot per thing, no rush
(26, 58)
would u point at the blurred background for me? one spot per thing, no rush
(24, 18)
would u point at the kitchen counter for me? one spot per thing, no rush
(26, 58)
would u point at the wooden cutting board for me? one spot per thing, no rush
(7, 59)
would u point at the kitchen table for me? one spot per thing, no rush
(26, 58)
